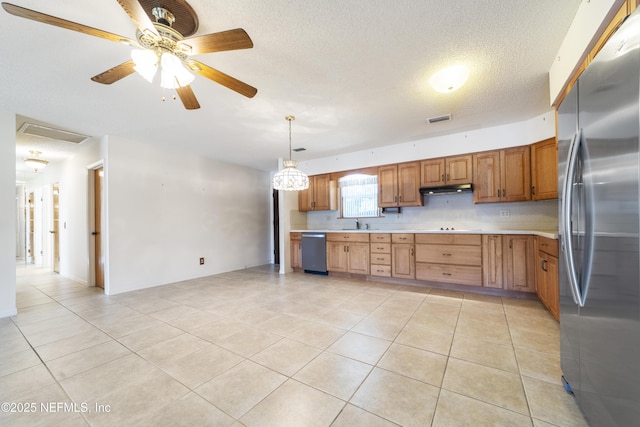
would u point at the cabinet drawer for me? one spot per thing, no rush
(449, 254)
(450, 239)
(384, 259)
(547, 245)
(381, 270)
(381, 248)
(464, 275)
(380, 237)
(402, 238)
(295, 236)
(348, 237)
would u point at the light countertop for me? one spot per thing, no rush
(551, 234)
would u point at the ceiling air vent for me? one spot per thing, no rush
(297, 150)
(439, 119)
(48, 132)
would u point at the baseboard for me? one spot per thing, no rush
(8, 312)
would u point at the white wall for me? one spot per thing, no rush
(7, 214)
(167, 209)
(510, 135)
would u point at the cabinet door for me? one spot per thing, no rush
(432, 173)
(403, 261)
(519, 266)
(409, 184)
(305, 197)
(321, 193)
(336, 256)
(542, 288)
(544, 170)
(388, 186)
(296, 253)
(459, 169)
(516, 174)
(486, 179)
(553, 292)
(358, 258)
(492, 276)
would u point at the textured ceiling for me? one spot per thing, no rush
(355, 74)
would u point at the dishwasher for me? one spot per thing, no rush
(314, 253)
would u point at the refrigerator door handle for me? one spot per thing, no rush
(567, 241)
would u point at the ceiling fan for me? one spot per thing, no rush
(161, 45)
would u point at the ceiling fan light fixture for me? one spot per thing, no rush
(146, 63)
(290, 178)
(450, 79)
(35, 162)
(174, 74)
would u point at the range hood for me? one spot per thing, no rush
(447, 189)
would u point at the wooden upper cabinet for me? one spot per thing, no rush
(544, 170)
(320, 196)
(432, 173)
(502, 175)
(459, 169)
(516, 175)
(487, 182)
(446, 170)
(399, 185)
(388, 186)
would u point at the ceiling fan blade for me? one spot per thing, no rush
(222, 78)
(116, 73)
(63, 23)
(218, 42)
(138, 15)
(188, 98)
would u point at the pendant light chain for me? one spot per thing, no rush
(290, 119)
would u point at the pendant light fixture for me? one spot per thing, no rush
(34, 161)
(290, 178)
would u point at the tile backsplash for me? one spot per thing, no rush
(450, 210)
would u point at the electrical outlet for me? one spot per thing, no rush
(201, 261)
(504, 213)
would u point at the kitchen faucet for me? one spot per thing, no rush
(357, 224)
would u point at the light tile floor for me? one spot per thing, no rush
(254, 348)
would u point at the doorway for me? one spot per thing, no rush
(276, 228)
(98, 255)
(55, 215)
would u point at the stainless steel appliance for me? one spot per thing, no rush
(598, 128)
(314, 252)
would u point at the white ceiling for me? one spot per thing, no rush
(354, 73)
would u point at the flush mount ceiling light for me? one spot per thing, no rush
(35, 162)
(290, 178)
(449, 79)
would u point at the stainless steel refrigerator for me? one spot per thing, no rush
(598, 171)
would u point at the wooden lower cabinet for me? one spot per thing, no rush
(296, 250)
(492, 276)
(547, 275)
(403, 259)
(519, 263)
(380, 254)
(449, 258)
(348, 252)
